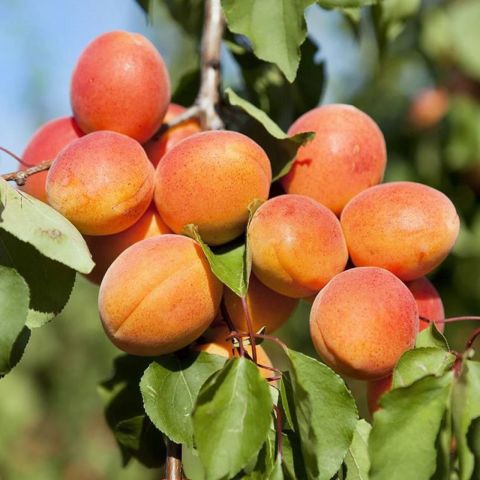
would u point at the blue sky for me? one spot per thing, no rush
(41, 41)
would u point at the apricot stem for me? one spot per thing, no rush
(278, 429)
(16, 157)
(251, 332)
(475, 334)
(173, 466)
(464, 318)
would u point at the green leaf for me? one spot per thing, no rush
(402, 440)
(135, 434)
(231, 419)
(421, 362)
(276, 29)
(293, 465)
(357, 459)
(265, 84)
(170, 386)
(14, 299)
(285, 147)
(227, 262)
(431, 337)
(50, 282)
(325, 413)
(34, 222)
(266, 460)
(466, 409)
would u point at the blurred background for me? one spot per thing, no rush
(423, 90)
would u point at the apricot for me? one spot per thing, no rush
(428, 108)
(428, 301)
(266, 307)
(102, 183)
(209, 179)
(46, 144)
(158, 296)
(105, 249)
(362, 321)
(156, 148)
(405, 227)
(224, 348)
(297, 245)
(375, 390)
(347, 155)
(120, 83)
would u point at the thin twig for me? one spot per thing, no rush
(188, 114)
(21, 176)
(473, 318)
(16, 157)
(251, 332)
(209, 94)
(173, 465)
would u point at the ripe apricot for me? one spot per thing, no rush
(120, 83)
(428, 301)
(375, 389)
(297, 245)
(347, 155)
(223, 347)
(266, 307)
(105, 249)
(46, 144)
(428, 108)
(209, 179)
(405, 227)
(362, 321)
(156, 148)
(158, 296)
(102, 183)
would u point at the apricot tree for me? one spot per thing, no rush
(207, 225)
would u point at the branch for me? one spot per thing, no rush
(209, 94)
(173, 466)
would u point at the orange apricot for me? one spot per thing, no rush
(428, 301)
(102, 183)
(375, 390)
(120, 83)
(46, 144)
(156, 148)
(428, 108)
(266, 307)
(209, 179)
(297, 245)
(105, 249)
(158, 296)
(405, 227)
(224, 348)
(347, 155)
(362, 321)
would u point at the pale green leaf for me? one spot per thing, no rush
(357, 460)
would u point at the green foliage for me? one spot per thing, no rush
(170, 387)
(14, 299)
(325, 415)
(36, 223)
(135, 434)
(230, 423)
(275, 28)
(283, 148)
(357, 460)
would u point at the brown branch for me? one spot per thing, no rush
(209, 94)
(251, 333)
(21, 176)
(173, 465)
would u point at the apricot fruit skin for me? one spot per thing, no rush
(266, 307)
(105, 249)
(347, 155)
(428, 108)
(375, 390)
(209, 179)
(156, 148)
(428, 301)
(44, 145)
(405, 227)
(297, 245)
(158, 296)
(224, 348)
(363, 321)
(120, 83)
(102, 183)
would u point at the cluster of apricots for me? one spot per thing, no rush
(131, 192)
